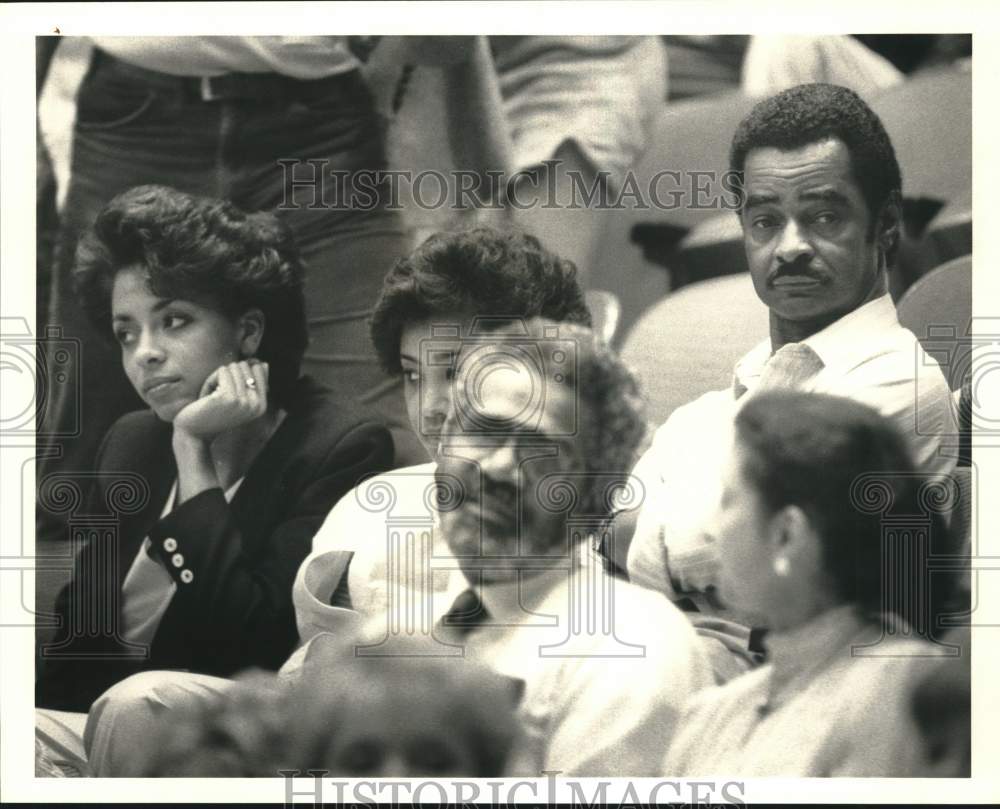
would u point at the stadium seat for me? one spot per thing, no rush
(938, 310)
(688, 343)
(929, 119)
(712, 248)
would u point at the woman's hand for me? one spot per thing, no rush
(233, 395)
(227, 401)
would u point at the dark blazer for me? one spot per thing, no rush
(234, 563)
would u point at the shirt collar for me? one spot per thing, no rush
(507, 602)
(837, 345)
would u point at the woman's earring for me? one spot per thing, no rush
(781, 566)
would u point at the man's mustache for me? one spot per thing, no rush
(499, 496)
(796, 269)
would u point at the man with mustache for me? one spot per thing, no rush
(488, 549)
(820, 212)
(543, 424)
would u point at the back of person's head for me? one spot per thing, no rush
(809, 113)
(241, 732)
(483, 271)
(849, 469)
(398, 715)
(404, 714)
(206, 250)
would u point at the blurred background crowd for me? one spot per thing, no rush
(667, 286)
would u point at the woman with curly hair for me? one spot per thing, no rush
(210, 497)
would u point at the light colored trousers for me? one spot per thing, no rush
(111, 740)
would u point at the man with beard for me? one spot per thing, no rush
(820, 212)
(488, 561)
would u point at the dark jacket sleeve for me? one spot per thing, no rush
(233, 605)
(233, 608)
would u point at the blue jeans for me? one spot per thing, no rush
(137, 127)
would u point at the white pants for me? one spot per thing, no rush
(112, 740)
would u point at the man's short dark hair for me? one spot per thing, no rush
(206, 250)
(810, 113)
(839, 461)
(482, 271)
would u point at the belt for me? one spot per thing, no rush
(256, 86)
(266, 86)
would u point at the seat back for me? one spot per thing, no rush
(938, 310)
(689, 342)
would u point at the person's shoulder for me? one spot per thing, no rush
(892, 351)
(317, 406)
(321, 421)
(407, 481)
(407, 490)
(648, 618)
(134, 436)
(633, 598)
(882, 665)
(708, 409)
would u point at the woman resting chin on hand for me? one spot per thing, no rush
(216, 490)
(194, 365)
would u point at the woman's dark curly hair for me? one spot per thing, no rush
(809, 113)
(848, 468)
(483, 271)
(205, 250)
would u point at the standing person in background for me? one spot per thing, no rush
(587, 103)
(537, 108)
(212, 116)
(774, 62)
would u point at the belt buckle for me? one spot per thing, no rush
(207, 92)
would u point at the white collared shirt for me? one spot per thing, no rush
(866, 355)
(600, 698)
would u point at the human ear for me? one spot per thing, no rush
(251, 332)
(888, 229)
(789, 533)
